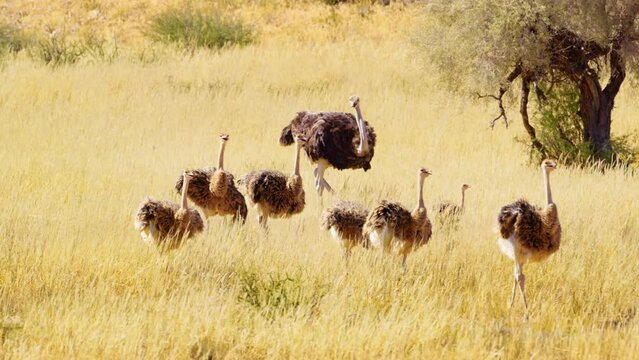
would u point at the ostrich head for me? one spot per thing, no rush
(508, 216)
(354, 100)
(224, 138)
(424, 172)
(548, 165)
(465, 187)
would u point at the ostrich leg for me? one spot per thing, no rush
(512, 296)
(320, 182)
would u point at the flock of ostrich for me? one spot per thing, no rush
(342, 141)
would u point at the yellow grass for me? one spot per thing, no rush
(83, 145)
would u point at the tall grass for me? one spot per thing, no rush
(82, 145)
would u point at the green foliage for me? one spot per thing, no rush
(276, 295)
(12, 40)
(475, 44)
(560, 130)
(191, 30)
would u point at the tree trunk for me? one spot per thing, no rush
(595, 112)
(596, 106)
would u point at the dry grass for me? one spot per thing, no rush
(81, 146)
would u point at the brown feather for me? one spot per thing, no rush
(281, 195)
(448, 209)
(348, 218)
(172, 223)
(535, 229)
(411, 229)
(214, 191)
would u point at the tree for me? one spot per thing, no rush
(486, 44)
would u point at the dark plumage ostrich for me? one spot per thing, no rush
(214, 191)
(272, 193)
(345, 221)
(392, 227)
(166, 224)
(529, 233)
(334, 139)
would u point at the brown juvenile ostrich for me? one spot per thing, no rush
(448, 209)
(529, 233)
(392, 227)
(272, 193)
(214, 191)
(345, 221)
(334, 139)
(166, 224)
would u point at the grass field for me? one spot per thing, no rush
(83, 145)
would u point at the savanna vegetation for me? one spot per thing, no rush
(484, 45)
(84, 141)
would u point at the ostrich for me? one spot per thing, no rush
(335, 139)
(529, 233)
(165, 224)
(391, 227)
(214, 191)
(274, 194)
(345, 220)
(448, 209)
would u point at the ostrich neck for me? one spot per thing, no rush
(463, 196)
(220, 158)
(547, 183)
(420, 194)
(363, 139)
(296, 169)
(185, 189)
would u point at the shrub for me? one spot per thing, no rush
(276, 295)
(56, 51)
(560, 131)
(12, 40)
(191, 30)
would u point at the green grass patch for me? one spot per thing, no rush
(191, 30)
(276, 295)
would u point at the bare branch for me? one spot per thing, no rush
(523, 110)
(482, 96)
(500, 96)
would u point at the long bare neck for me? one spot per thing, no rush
(463, 196)
(220, 158)
(420, 194)
(547, 183)
(296, 169)
(185, 189)
(363, 137)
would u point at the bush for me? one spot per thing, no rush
(56, 51)
(276, 295)
(191, 30)
(561, 132)
(12, 40)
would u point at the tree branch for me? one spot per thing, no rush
(617, 74)
(523, 110)
(502, 90)
(541, 97)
